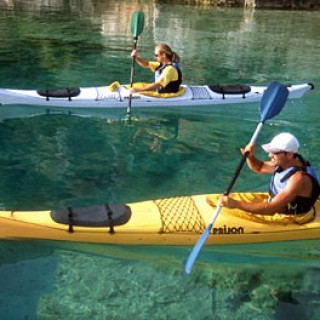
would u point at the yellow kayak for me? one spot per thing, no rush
(171, 221)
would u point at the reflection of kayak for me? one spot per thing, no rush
(116, 96)
(172, 221)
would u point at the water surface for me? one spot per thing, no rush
(57, 160)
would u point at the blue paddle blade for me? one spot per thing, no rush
(196, 249)
(273, 100)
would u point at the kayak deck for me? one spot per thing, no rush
(172, 221)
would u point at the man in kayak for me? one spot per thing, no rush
(168, 76)
(294, 187)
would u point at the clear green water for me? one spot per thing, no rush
(58, 160)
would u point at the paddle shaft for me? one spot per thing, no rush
(196, 249)
(133, 64)
(243, 160)
(237, 171)
(137, 24)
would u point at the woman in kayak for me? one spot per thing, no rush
(294, 187)
(168, 76)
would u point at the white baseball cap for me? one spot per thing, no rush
(282, 142)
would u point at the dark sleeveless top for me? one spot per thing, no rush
(280, 180)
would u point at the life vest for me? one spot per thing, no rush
(172, 86)
(176, 65)
(280, 180)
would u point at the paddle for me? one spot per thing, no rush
(137, 24)
(272, 102)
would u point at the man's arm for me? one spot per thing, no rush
(255, 164)
(298, 185)
(142, 62)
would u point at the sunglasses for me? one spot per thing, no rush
(280, 152)
(158, 54)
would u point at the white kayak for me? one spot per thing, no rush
(116, 96)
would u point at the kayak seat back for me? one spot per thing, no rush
(107, 215)
(231, 89)
(59, 93)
